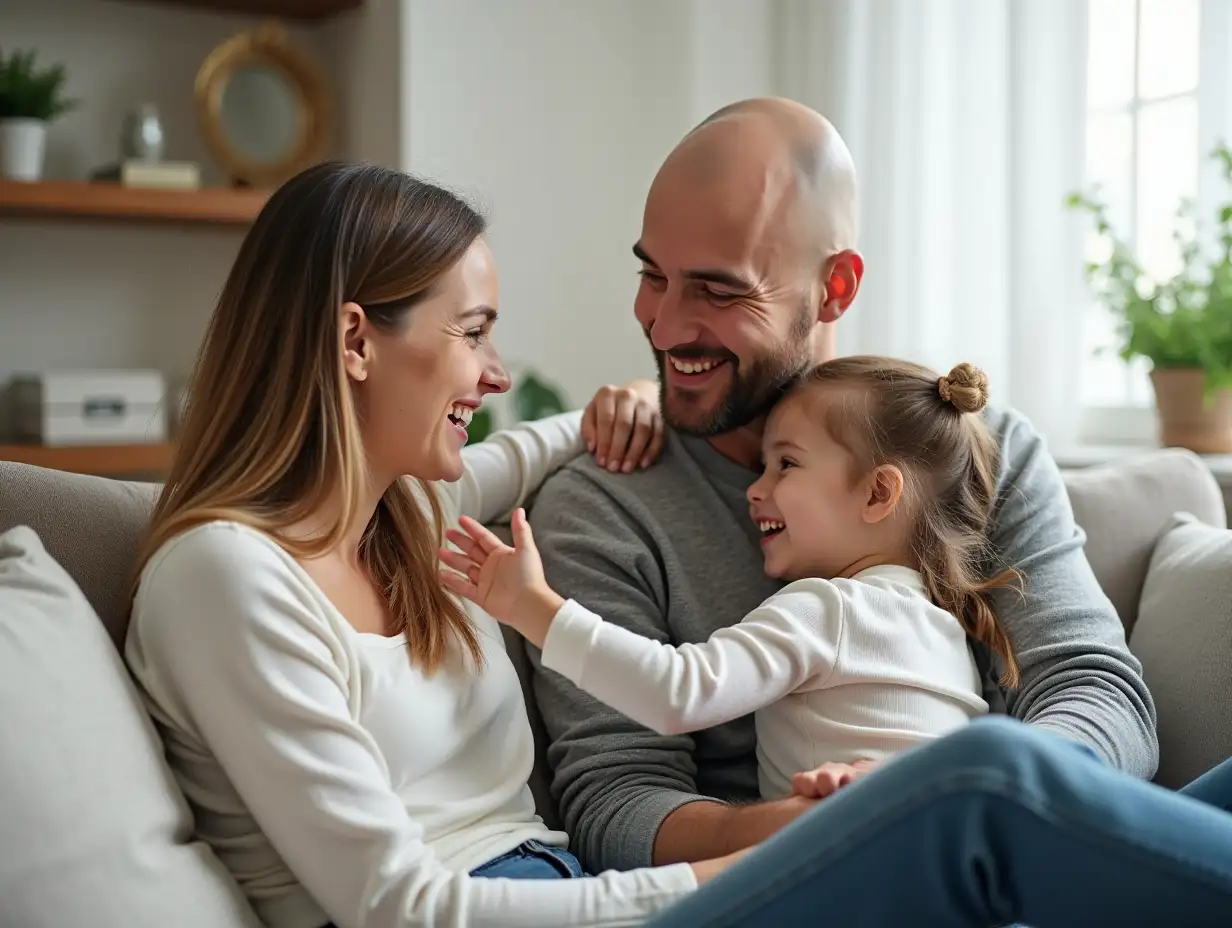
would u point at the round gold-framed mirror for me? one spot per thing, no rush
(263, 107)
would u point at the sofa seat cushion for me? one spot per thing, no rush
(1184, 639)
(95, 830)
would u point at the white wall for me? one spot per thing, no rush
(552, 114)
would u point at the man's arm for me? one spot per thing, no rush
(627, 795)
(1079, 678)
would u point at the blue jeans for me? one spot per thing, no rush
(532, 861)
(998, 823)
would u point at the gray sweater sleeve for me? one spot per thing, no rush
(1079, 678)
(615, 781)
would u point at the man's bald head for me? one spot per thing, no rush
(780, 148)
(747, 258)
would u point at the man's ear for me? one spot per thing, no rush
(840, 283)
(885, 489)
(356, 344)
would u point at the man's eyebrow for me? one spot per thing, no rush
(487, 312)
(705, 275)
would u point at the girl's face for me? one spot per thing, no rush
(419, 385)
(818, 515)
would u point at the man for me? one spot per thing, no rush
(748, 262)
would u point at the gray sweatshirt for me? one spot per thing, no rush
(671, 554)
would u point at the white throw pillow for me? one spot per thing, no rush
(94, 830)
(1184, 639)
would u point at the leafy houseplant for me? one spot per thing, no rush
(30, 97)
(533, 398)
(1181, 325)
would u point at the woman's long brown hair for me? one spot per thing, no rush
(271, 431)
(930, 427)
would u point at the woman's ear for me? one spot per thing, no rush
(356, 345)
(884, 492)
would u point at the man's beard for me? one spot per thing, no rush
(751, 393)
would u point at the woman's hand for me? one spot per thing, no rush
(507, 583)
(622, 426)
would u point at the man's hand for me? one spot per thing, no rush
(622, 426)
(699, 831)
(829, 778)
(507, 583)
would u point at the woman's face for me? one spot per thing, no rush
(419, 385)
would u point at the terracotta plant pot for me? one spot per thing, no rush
(1188, 418)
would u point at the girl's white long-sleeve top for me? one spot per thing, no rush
(833, 671)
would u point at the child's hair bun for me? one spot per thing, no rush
(965, 388)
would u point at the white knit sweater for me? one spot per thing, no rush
(335, 780)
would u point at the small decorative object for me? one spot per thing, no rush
(30, 97)
(90, 407)
(1183, 325)
(142, 145)
(533, 398)
(141, 138)
(263, 107)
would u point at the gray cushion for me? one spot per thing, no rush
(90, 525)
(95, 829)
(1184, 640)
(1126, 507)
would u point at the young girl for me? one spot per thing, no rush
(878, 487)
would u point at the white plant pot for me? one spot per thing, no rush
(22, 144)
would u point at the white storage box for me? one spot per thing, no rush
(90, 407)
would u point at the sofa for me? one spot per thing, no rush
(96, 831)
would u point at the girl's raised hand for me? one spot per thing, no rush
(505, 582)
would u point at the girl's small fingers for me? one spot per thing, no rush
(458, 561)
(484, 538)
(466, 544)
(459, 585)
(805, 785)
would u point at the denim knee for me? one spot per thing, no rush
(1005, 743)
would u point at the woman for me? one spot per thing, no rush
(352, 743)
(355, 747)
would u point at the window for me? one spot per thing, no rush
(1148, 129)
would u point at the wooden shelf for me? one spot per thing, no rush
(290, 9)
(71, 199)
(103, 460)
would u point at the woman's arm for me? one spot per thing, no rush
(503, 471)
(793, 637)
(230, 639)
(621, 426)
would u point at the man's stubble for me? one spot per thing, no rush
(751, 392)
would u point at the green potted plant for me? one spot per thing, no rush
(1182, 325)
(30, 97)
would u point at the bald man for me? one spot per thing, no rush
(748, 261)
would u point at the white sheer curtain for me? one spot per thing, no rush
(966, 121)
